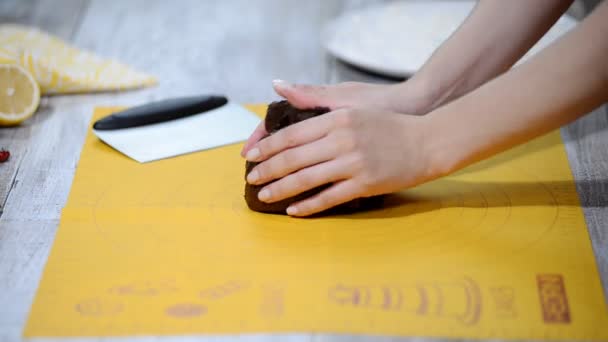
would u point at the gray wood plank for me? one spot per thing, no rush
(44, 15)
(23, 253)
(587, 145)
(16, 11)
(41, 186)
(31, 176)
(232, 47)
(58, 18)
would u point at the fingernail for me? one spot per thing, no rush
(292, 211)
(253, 177)
(280, 84)
(253, 154)
(264, 195)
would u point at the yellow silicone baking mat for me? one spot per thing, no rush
(499, 250)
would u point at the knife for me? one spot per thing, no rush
(160, 111)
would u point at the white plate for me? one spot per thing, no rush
(397, 38)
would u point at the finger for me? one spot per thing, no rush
(304, 180)
(293, 159)
(304, 96)
(257, 134)
(295, 135)
(338, 193)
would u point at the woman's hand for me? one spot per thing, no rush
(348, 94)
(408, 97)
(362, 152)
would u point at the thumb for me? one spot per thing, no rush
(303, 96)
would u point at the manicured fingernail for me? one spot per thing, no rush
(280, 84)
(292, 211)
(264, 195)
(253, 154)
(253, 177)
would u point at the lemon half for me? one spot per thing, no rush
(19, 94)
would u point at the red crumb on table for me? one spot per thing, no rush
(4, 154)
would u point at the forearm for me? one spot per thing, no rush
(558, 85)
(494, 37)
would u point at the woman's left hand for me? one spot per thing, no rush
(362, 153)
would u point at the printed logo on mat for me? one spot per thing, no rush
(553, 299)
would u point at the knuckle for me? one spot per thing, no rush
(367, 180)
(264, 146)
(304, 87)
(277, 189)
(262, 170)
(290, 138)
(288, 159)
(348, 141)
(357, 162)
(304, 179)
(274, 166)
(344, 118)
(323, 201)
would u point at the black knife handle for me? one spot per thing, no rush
(160, 111)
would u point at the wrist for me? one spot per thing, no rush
(417, 96)
(439, 146)
(430, 89)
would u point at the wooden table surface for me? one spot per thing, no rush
(234, 47)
